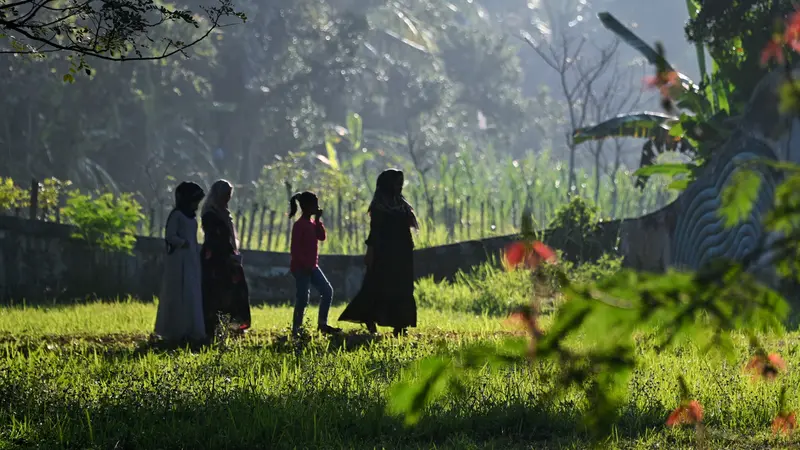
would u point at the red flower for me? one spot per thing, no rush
(526, 317)
(766, 366)
(773, 51)
(531, 255)
(792, 33)
(784, 423)
(689, 413)
(663, 81)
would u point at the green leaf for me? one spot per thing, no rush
(721, 95)
(695, 102)
(68, 78)
(359, 158)
(527, 228)
(676, 130)
(411, 397)
(667, 169)
(679, 185)
(355, 129)
(739, 196)
(330, 148)
(788, 98)
(637, 125)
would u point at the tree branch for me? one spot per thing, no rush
(120, 31)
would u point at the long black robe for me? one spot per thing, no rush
(387, 292)
(225, 289)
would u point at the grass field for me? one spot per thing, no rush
(84, 377)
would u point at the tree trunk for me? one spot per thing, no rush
(614, 187)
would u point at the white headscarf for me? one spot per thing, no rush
(217, 203)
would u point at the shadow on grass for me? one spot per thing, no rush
(121, 345)
(316, 419)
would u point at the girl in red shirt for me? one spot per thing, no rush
(307, 231)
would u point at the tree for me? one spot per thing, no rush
(116, 30)
(577, 75)
(486, 70)
(618, 96)
(735, 32)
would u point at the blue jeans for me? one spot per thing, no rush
(317, 279)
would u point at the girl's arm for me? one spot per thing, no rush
(295, 245)
(321, 233)
(171, 231)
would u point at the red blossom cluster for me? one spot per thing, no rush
(663, 81)
(784, 423)
(790, 37)
(688, 413)
(529, 255)
(766, 366)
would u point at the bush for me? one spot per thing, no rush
(494, 291)
(487, 290)
(106, 221)
(11, 195)
(577, 215)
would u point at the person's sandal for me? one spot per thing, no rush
(327, 329)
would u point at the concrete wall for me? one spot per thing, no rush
(39, 261)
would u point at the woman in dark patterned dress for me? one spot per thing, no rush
(225, 289)
(386, 297)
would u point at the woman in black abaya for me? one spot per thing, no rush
(386, 297)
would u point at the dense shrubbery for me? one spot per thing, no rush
(104, 220)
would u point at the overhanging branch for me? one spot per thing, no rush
(121, 30)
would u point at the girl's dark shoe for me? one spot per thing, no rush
(327, 329)
(372, 328)
(397, 332)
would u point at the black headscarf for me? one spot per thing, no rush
(187, 194)
(389, 199)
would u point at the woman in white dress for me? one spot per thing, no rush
(180, 307)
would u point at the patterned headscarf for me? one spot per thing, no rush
(389, 199)
(217, 203)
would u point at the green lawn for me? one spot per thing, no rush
(84, 377)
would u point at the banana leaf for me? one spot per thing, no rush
(637, 125)
(652, 56)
